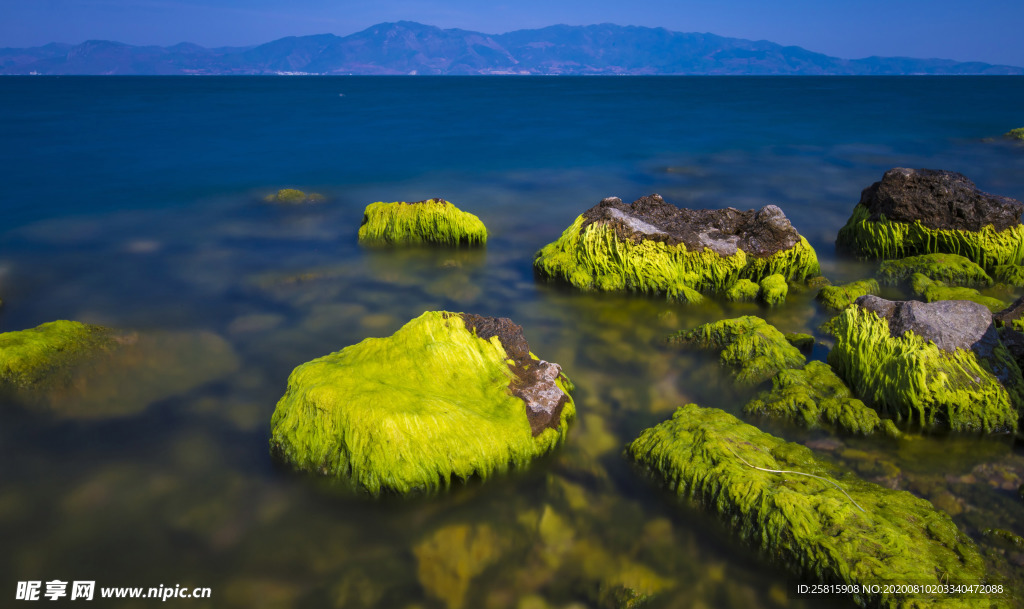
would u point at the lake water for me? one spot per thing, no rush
(137, 203)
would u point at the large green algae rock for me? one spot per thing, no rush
(950, 269)
(33, 358)
(754, 349)
(911, 212)
(816, 397)
(863, 534)
(838, 297)
(938, 365)
(934, 291)
(448, 396)
(429, 222)
(653, 247)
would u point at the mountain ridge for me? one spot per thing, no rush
(407, 47)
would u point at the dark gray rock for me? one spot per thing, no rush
(1009, 314)
(939, 199)
(759, 232)
(950, 324)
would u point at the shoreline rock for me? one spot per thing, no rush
(924, 211)
(448, 396)
(427, 222)
(653, 247)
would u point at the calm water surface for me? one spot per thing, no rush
(137, 203)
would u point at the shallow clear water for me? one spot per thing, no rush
(137, 203)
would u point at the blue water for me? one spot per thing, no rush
(137, 203)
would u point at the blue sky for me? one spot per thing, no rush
(980, 30)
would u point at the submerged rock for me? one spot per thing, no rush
(950, 269)
(815, 397)
(935, 291)
(291, 196)
(753, 348)
(651, 246)
(448, 560)
(925, 211)
(838, 297)
(939, 364)
(446, 396)
(1015, 134)
(862, 534)
(37, 357)
(432, 221)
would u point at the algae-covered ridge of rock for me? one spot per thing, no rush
(831, 528)
(911, 212)
(428, 222)
(936, 364)
(36, 357)
(653, 247)
(447, 397)
(838, 297)
(754, 349)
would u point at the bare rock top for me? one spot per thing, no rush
(939, 199)
(950, 324)
(758, 232)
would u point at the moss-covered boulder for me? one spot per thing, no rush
(44, 356)
(428, 222)
(653, 247)
(815, 397)
(934, 291)
(447, 397)
(1015, 134)
(911, 212)
(803, 342)
(938, 365)
(838, 297)
(821, 523)
(751, 347)
(292, 196)
(743, 290)
(773, 290)
(950, 269)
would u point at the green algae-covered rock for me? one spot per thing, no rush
(911, 212)
(838, 297)
(947, 268)
(33, 358)
(862, 534)
(752, 347)
(743, 290)
(803, 342)
(1015, 134)
(815, 396)
(938, 365)
(429, 222)
(933, 291)
(653, 247)
(446, 396)
(1009, 274)
(291, 196)
(774, 290)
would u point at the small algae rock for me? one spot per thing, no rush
(947, 268)
(653, 247)
(1015, 134)
(815, 396)
(774, 290)
(743, 290)
(44, 355)
(291, 196)
(1009, 274)
(837, 298)
(804, 342)
(925, 211)
(448, 561)
(446, 396)
(862, 534)
(429, 222)
(934, 291)
(938, 364)
(755, 349)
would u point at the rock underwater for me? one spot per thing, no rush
(448, 396)
(292, 196)
(924, 211)
(653, 247)
(936, 364)
(825, 525)
(428, 222)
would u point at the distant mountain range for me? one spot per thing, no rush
(412, 48)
